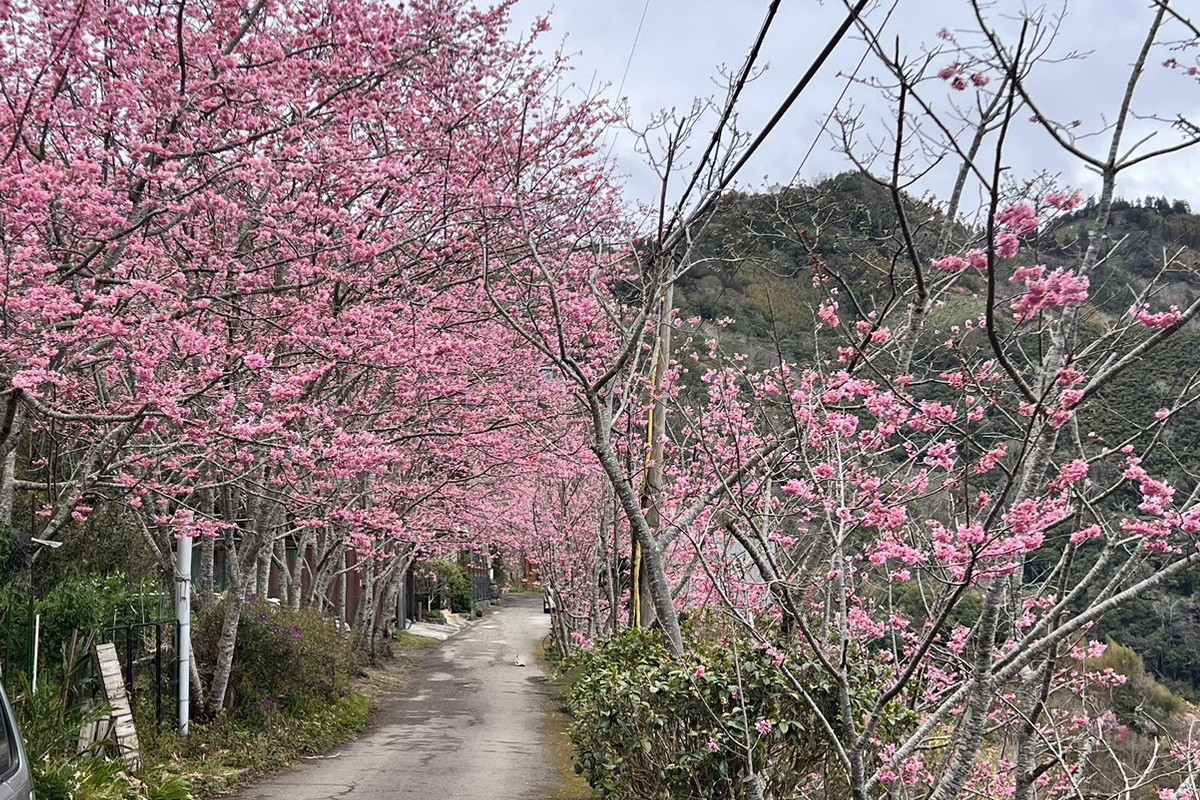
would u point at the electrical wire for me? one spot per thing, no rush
(850, 79)
(633, 48)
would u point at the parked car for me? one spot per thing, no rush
(16, 780)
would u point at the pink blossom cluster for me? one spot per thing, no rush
(973, 259)
(1161, 321)
(910, 773)
(958, 76)
(1162, 519)
(1020, 219)
(1064, 201)
(1059, 289)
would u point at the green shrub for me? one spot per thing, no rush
(285, 661)
(83, 605)
(650, 727)
(106, 779)
(90, 605)
(447, 582)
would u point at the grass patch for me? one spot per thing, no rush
(406, 642)
(217, 758)
(561, 754)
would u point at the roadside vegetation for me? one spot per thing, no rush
(744, 712)
(300, 686)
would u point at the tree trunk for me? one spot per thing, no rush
(7, 489)
(364, 613)
(262, 582)
(279, 559)
(652, 484)
(970, 732)
(323, 579)
(207, 582)
(241, 560)
(296, 579)
(343, 602)
(198, 698)
(652, 559)
(226, 646)
(387, 608)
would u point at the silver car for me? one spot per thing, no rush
(16, 782)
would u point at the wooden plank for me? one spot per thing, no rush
(121, 726)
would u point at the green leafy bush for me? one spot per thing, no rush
(291, 662)
(91, 604)
(650, 727)
(447, 583)
(106, 779)
(83, 605)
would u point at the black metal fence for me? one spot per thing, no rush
(148, 662)
(481, 589)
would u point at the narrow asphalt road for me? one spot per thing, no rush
(468, 726)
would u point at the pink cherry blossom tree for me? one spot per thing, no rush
(241, 256)
(937, 508)
(596, 303)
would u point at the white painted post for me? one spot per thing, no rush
(37, 636)
(183, 619)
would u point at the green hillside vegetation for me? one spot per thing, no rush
(755, 258)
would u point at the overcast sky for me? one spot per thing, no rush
(683, 44)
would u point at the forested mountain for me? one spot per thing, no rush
(752, 286)
(756, 255)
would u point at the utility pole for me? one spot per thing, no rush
(652, 480)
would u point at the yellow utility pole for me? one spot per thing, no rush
(652, 478)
